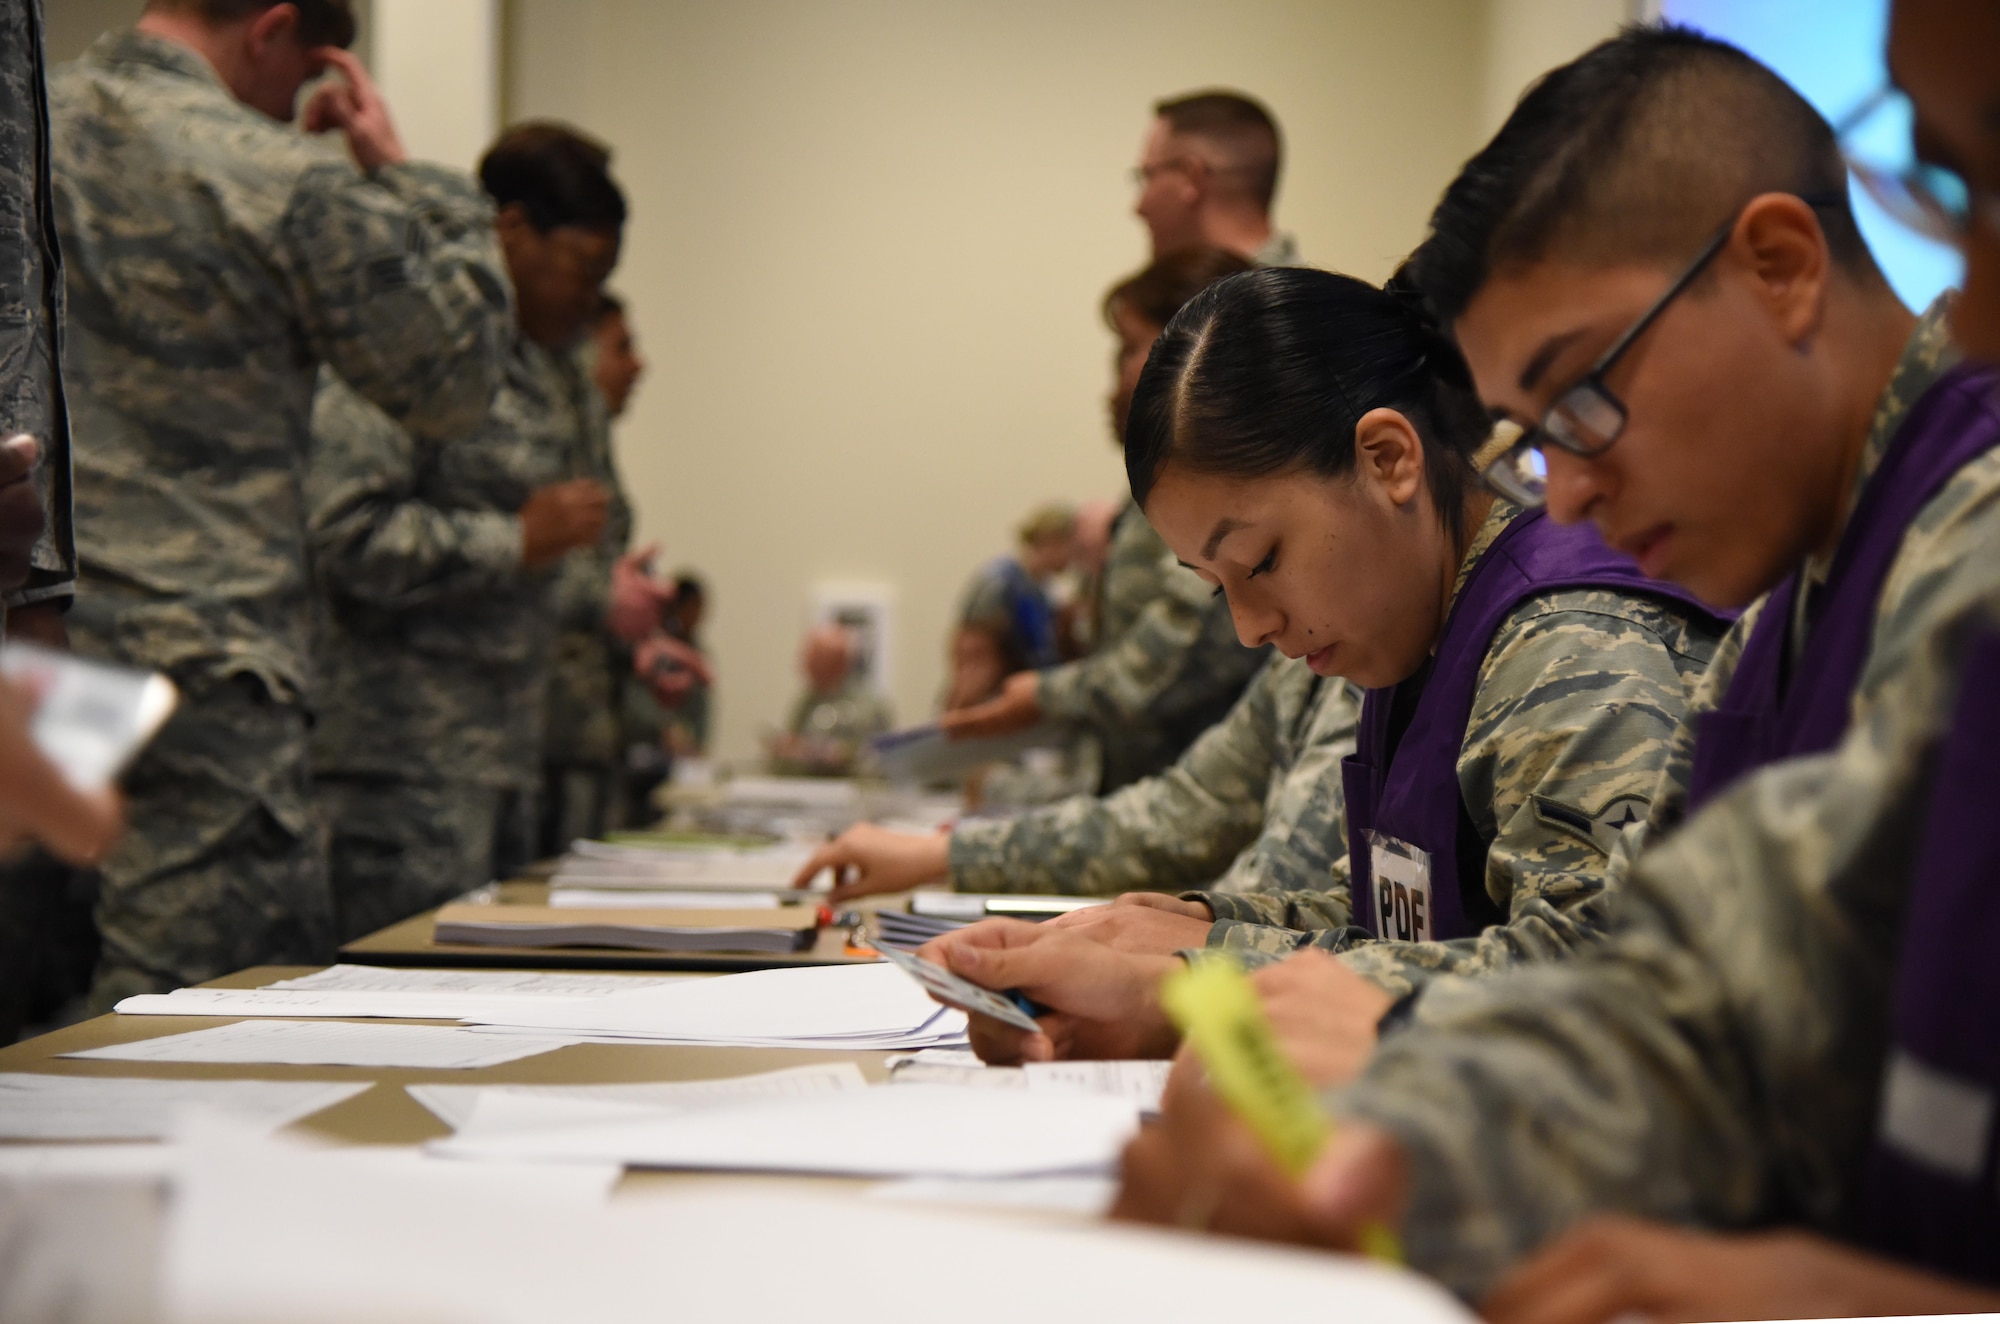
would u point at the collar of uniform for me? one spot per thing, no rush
(1279, 250)
(1927, 356)
(1497, 519)
(131, 46)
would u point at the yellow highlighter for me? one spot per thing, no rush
(1217, 1010)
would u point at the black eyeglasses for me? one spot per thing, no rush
(1588, 417)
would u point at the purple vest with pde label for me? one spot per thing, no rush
(1410, 792)
(1928, 1193)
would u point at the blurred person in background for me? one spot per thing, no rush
(832, 721)
(1208, 177)
(198, 227)
(439, 564)
(1007, 606)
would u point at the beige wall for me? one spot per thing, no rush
(1527, 38)
(868, 243)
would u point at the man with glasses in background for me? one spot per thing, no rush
(1758, 418)
(1208, 175)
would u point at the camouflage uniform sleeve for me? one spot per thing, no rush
(374, 539)
(1162, 832)
(402, 288)
(31, 392)
(1133, 677)
(1717, 1059)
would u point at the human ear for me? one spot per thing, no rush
(1389, 456)
(1779, 243)
(275, 26)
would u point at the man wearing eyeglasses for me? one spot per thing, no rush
(1207, 176)
(1653, 275)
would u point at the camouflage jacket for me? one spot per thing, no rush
(1578, 697)
(592, 668)
(1718, 1059)
(214, 258)
(437, 647)
(31, 298)
(1255, 802)
(1167, 665)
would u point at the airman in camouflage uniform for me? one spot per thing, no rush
(1168, 668)
(593, 667)
(1734, 1025)
(1578, 698)
(439, 641)
(1253, 805)
(31, 389)
(215, 256)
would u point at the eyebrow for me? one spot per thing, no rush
(1544, 356)
(1223, 528)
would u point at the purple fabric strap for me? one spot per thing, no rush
(1411, 792)
(1766, 716)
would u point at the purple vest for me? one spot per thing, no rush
(1766, 716)
(1928, 1188)
(1410, 792)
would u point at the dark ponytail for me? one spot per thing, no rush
(1269, 372)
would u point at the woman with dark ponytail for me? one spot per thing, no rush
(1309, 445)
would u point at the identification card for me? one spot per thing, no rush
(1402, 881)
(957, 991)
(90, 717)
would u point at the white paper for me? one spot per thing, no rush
(564, 897)
(50, 1107)
(1141, 1082)
(917, 1130)
(295, 1003)
(352, 1246)
(530, 983)
(328, 1043)
(454, 1104)
(803, 1003)
(1084, 1197)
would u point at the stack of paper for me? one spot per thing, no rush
(330, 1043)
(905, 1131)
(839, 1007)
(771, 929)
(603, 864)
(621, 898)
(364, 991)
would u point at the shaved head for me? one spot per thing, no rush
(1634, 152)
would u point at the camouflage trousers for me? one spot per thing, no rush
(402, 846)
(223, 864)
(577, 803)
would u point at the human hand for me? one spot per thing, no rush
(37, 803)
(669, 668)
(355, 108)
(1144, 923)
(1323, 1013)
(1102, 1003)
(561, 517)
(1611, 1267)
(1198, 1167)
(637, 599)
(21, 516)
(1015, 708)
(867, 860)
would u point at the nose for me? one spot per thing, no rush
(1575, 486)
(1256, 624)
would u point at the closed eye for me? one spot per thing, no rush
(1264, 566)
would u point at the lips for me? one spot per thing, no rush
(1321, 660)
(1649, 549)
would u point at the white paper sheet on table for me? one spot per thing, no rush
(527, 983)
(353, 1246)
(1084, 1197)
(454, 1104)
(52, 1107)
(306, 1003)
(564, 897)
(328, 1043)
(806, 1005)
(916, 1130)
(1142, 1082)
